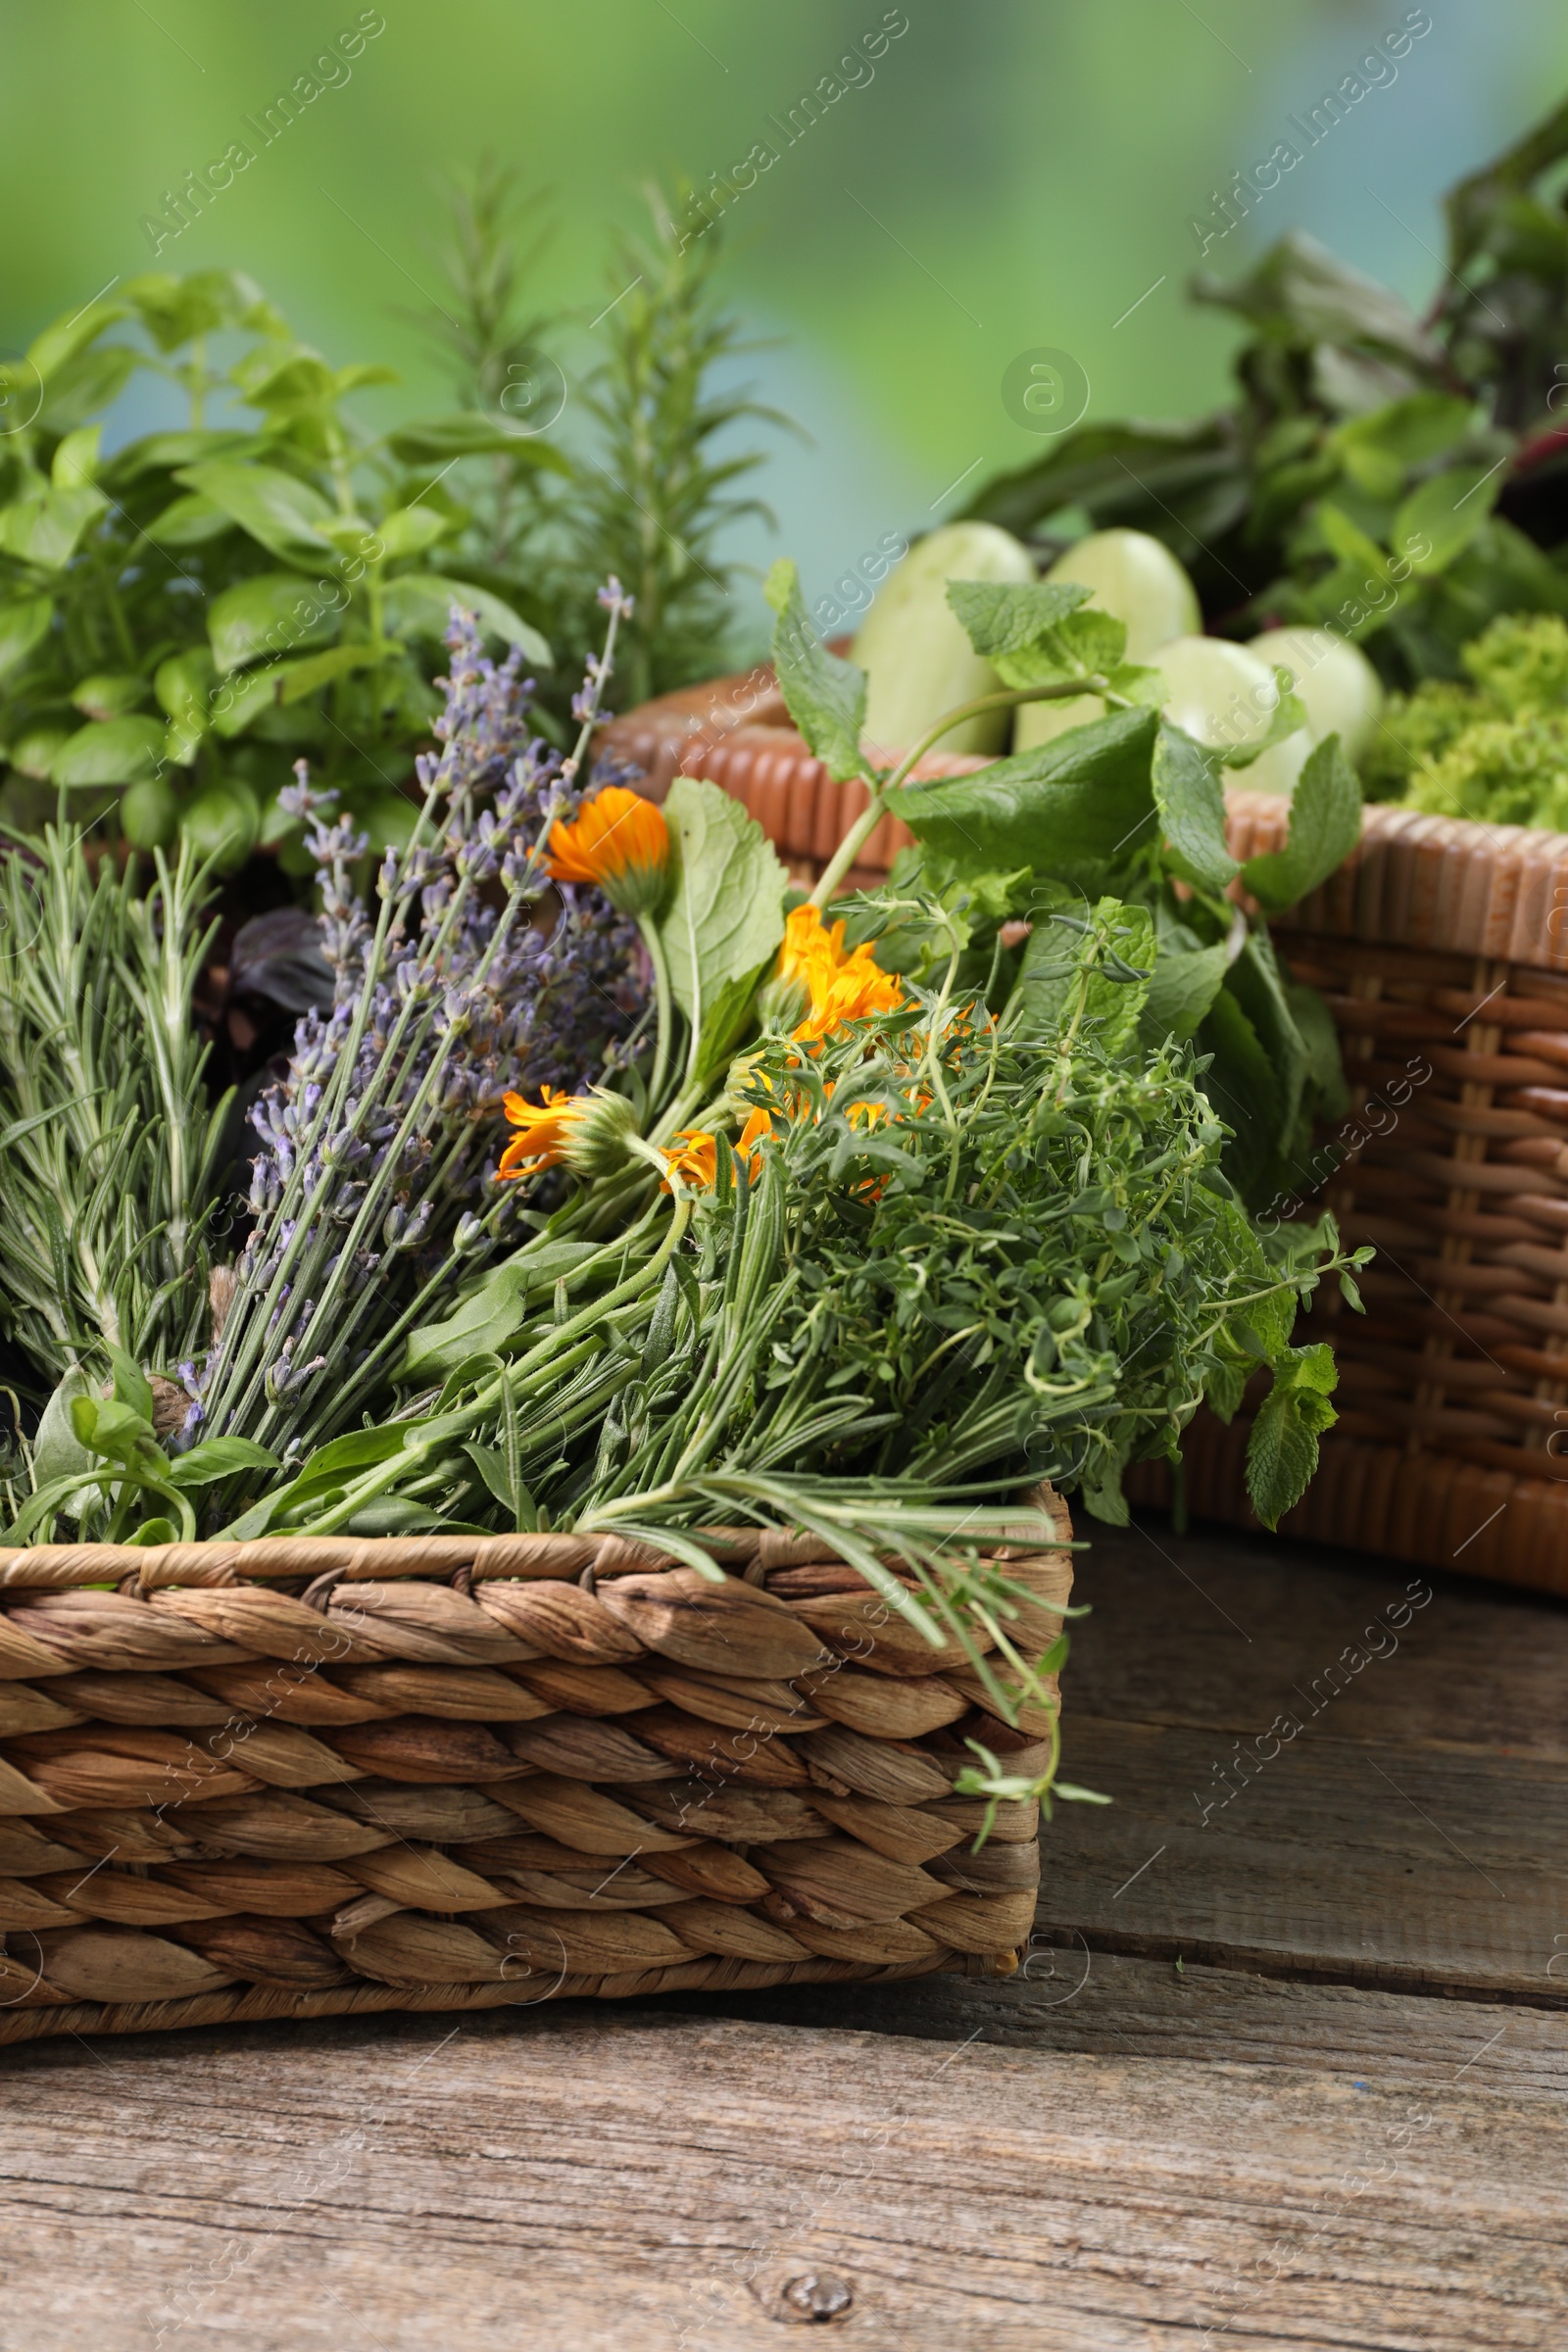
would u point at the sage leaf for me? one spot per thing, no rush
(723, 915)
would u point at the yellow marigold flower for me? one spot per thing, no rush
(838, 986)
(595, 1134)
(619, 841)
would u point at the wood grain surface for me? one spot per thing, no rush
(641, 2182)
(1336, 2121)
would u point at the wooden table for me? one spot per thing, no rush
(1287, 2073)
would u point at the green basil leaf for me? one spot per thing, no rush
(436, 440)
(110, 751)
(22, 626)
(826, 697)
(273, 612)
(46, 529)
(278, 510)
(419, 605)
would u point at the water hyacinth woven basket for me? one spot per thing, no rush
(307, 1776)
(1441, 948)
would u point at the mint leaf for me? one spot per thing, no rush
(826, 697)
(1066, 960)
(1191, 808)
(999, 619)
(1436, 522)
(1325, 827)
(723, 915)
(1290, 713)
(1068, 808)
(1282, 1451)
(1183, 985)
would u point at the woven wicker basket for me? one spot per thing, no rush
(313, 1775)
(1443, 949)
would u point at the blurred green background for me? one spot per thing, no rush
(1008, 173)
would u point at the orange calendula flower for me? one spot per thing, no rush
(838, 986)
(694, 1156)
(619, 841)
(544, 1128)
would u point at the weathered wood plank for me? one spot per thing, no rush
(1120, 2006)
(1227, 1631)
(1422, 1869)
(608, 2180)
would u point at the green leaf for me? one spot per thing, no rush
(493, 1312)
(1400, 434)
(57, 1450)
(44, 531)
(189, 521)
(1069, 808)
(723, 915)
(157, 1530)
(1062, 965)
(22, 627)
(70, 333)
(1445, 514)
(436, 440)
(131, 1384)
(1242, 1084)
(281, 511)
(826, 697)
(111, 750)
(1288, 714)
(409, 531)
(1282, 1448)
(300, 678)
(1325, 827)
(999, 619)
(1347, 540)
(273, 612)
(419, 605)
(219, 1457)
(1190, 801)
(1183, 985)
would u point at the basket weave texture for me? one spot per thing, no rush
(1441, 948)
(314, 1775)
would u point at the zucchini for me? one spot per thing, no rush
(917, 659)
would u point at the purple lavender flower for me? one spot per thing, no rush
(476, 977)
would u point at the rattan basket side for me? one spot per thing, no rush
(301, 1777)
(1443, 956)
(1441, 948)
